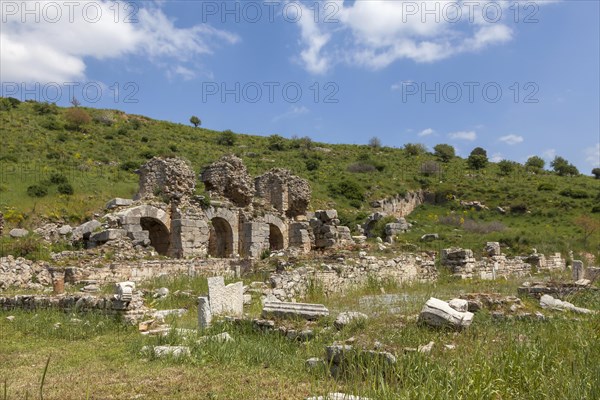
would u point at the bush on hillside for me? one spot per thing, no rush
(65, 188)
(347, 188)
(226, 138)
(37, 191)
(77, 118)
(444, 152)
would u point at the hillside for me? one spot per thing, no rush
(41, 145)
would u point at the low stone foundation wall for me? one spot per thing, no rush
(26, 274)
(352, 273)
(78, 302)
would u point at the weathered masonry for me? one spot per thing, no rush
(244, 218)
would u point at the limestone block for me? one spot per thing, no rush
(225, 300)
(438, 313)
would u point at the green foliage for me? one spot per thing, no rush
(129, 166)
(312, 164)
(431, 168)
(57, 178)
(535, 163)
(596, 173)
(377, 229)
(506, 167)
(444, 152)
(66, 189)
(563, 168)
(8, 103)
(477, 159)
(574, 193)
(546, 187)
(45, 108)
(194, 120)
(276, 143)
(349, 189)
(415, 149)
(37, 191)
(304, 143)
(226, 138)
(77, 117)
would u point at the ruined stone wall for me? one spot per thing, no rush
(353, 273)
(25, 274)
(462, 263)
(400, 206)
(170, 178)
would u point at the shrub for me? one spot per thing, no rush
(105, 118)
(377, 229)
(8, 103)
(312, 164)
(574, 193)
(506, 167)
(37, 191)
(347, 188)
(129, 166)
(444, 152)
(518, 208)
(52, 123)
(45, 108)
(57, 178)
(305, 143)
(147, 154)
(173, 148)
(77, 117)
(595, 209)
(415, 149)
(596, 173)
(276, 143)
(546, 187)
(66, 188)
(361, 167)
(431, 168)
(226, 138)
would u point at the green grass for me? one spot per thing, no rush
(91, 159)
(94, 356)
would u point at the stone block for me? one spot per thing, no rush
(225, 300)
(578, 271)
(118, 202)
(294, 310)
(18, 233)
(124, 291)
(108, 234)
(204, 314)
(438, 313)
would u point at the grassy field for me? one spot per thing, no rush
(98, 158)
(96, 357)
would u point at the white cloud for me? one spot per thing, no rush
(549, 154)
(496, 157)
(292, 112)
(57, 51)
(426, 132)
(512, 139)
(592, 155)
(463, 135)
(376, 33)
(400, 85)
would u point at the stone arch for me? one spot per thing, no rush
(224, 232)
(146, 218)
(158, 234)
(278, 232)
(220, 240)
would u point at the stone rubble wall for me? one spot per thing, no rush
(462, 263)
(328, 232)
(401, 205)
(353, 273)
(25, 274)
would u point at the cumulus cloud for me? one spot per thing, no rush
(463, 135)
(496, 157)
(426, 132)
(592, 155)
(56, 49)
(376, 33)
(512, 139)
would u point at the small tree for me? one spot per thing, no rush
(562, 167)
(506, 167)
(444, 152)
(478, 158)
(75, 102)
(596, 173)
(195, 121)
(276, 143)
(375, 142)
(415, 149)
(77, 117)
(535, 164)
(589, 225)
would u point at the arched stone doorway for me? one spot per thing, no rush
(158, 233)
(220, 242)
(275, 238)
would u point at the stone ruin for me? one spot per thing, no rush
(244, 217)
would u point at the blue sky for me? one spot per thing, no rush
(343, 74)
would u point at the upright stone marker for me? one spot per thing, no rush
(225, 300)
(577, 270)
(204, 314)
